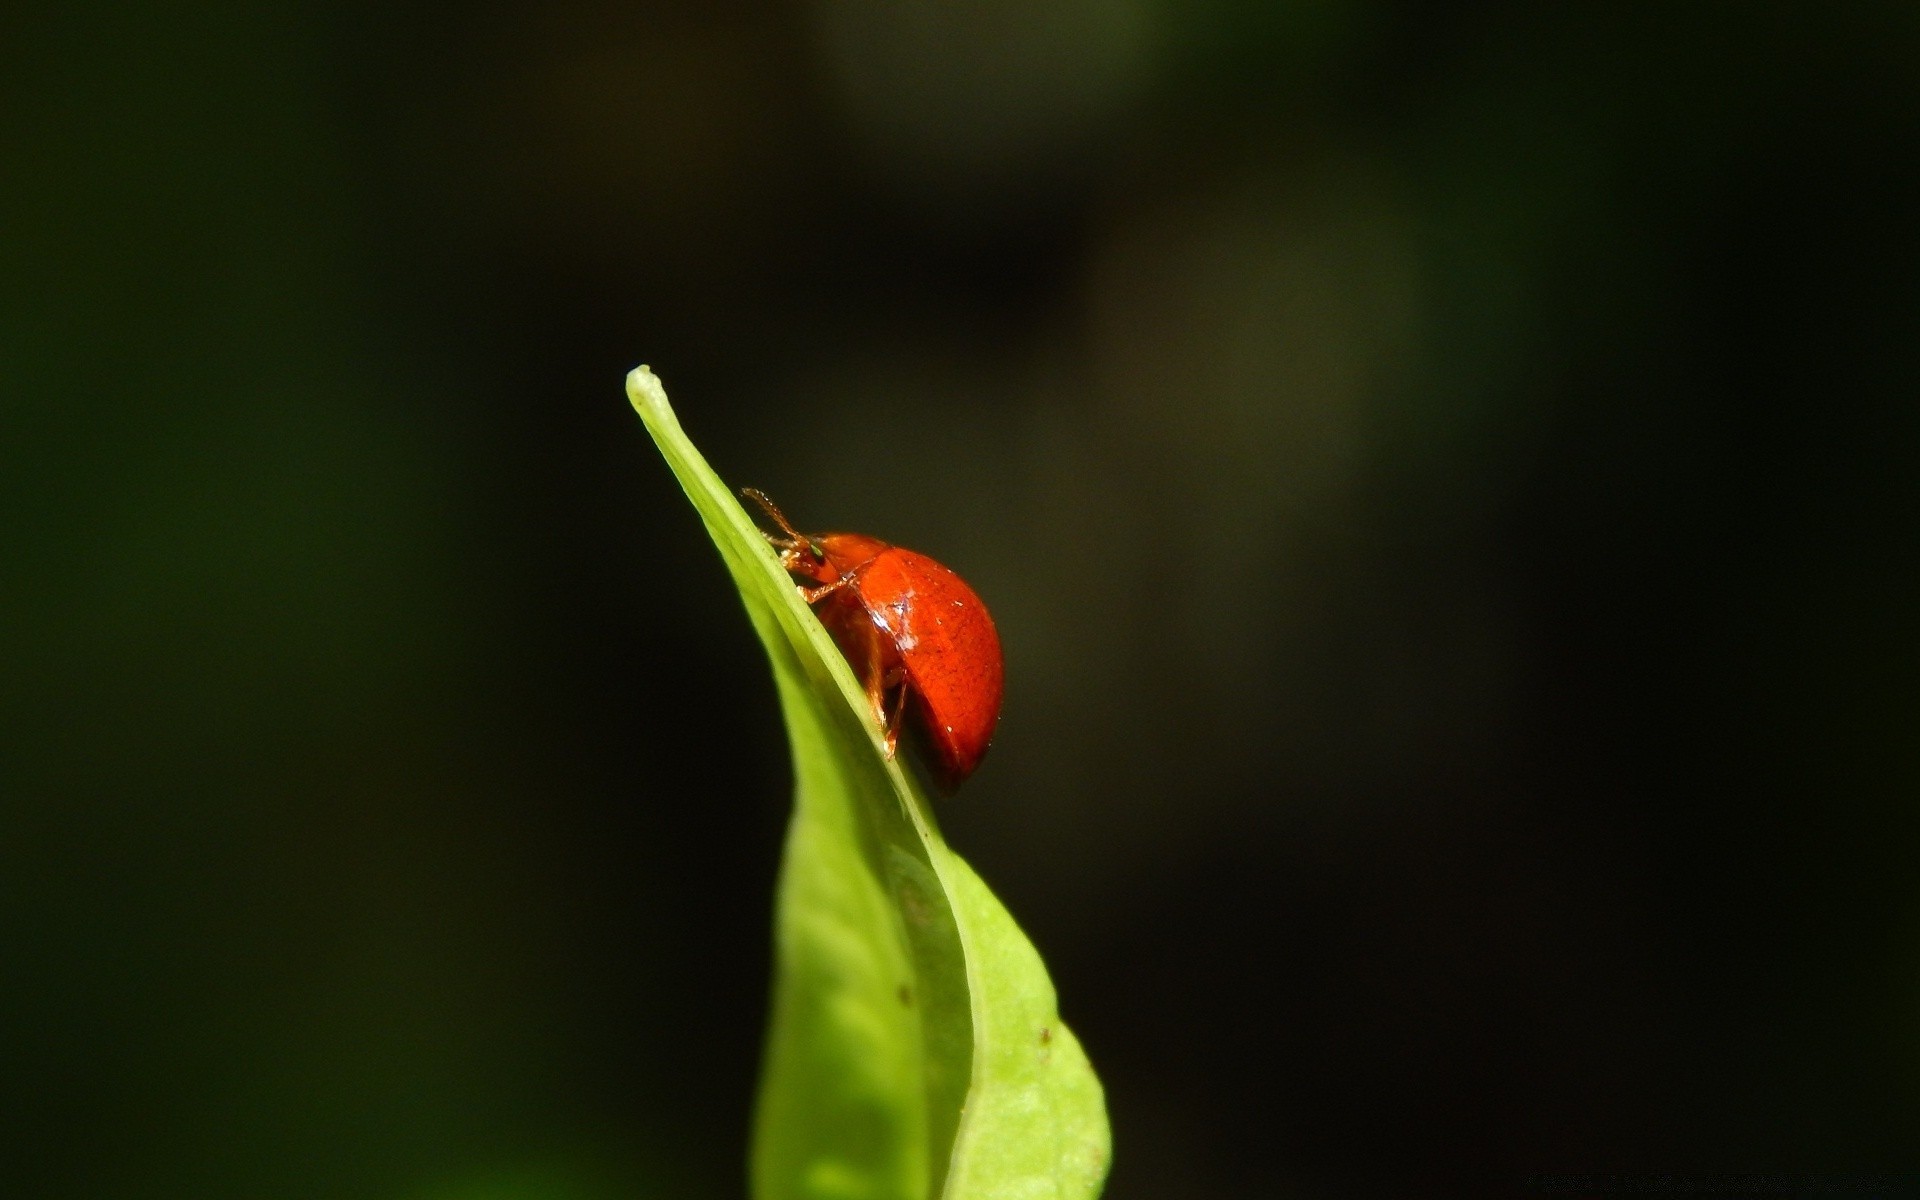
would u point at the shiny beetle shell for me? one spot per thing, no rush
(916, 635)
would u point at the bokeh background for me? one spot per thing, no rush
(1445, 476)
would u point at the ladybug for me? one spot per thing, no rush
(914, 632)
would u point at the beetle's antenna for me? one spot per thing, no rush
(794, 540)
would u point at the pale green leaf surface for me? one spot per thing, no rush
(915, 1051)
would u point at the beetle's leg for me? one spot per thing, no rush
(899, 707)
(814, 595)
(875, 677)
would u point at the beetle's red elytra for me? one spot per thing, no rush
(917, 636)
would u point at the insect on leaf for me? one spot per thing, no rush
(915, 1051)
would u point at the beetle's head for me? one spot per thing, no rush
(799, 553)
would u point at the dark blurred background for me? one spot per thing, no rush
(1445, 477)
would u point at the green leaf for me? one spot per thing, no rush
(915, 1051)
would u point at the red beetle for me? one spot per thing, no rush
(910, 627)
